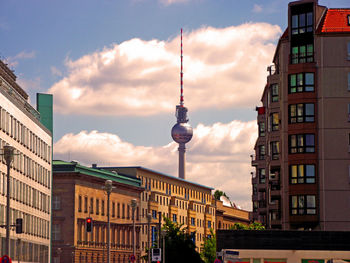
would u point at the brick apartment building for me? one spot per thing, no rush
(302, 154)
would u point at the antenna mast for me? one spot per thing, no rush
(181, 76)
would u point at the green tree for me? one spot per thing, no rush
(179, 246)
(252, 226)
(218, 194)
(209, 248)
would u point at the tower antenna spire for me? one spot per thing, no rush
(181, 76)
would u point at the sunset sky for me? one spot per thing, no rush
(113, 68)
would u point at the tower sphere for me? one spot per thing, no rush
(182, 132)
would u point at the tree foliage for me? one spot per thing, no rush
(209, 248)
(179, 246)
(252, 226)
(218, 194)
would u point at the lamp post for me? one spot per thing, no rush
(163, 234)
(108, 187)
(133, 206)
(8, 156)
(149, 218)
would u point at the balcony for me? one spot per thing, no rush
(254, 160)
(274, 205)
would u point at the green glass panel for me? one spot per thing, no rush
(293, 80)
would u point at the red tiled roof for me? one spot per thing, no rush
(336, 20)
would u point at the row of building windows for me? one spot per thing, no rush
(25, 194)
(28, 167)
(32, 225)
(119, 210)
(298, 174)
(23, 135)
(298, 143)
(153, 184)
(297, 83)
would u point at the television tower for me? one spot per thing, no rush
(182, 131)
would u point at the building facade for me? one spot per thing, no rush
(78, 194)
(302, 154)
(30, 173)
(227, 215)
(184, 202)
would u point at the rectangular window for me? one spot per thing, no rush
(174, 218)
(261, 129)
(154, 214)
(262, 176)
(302, 143)
(302, 54)
(261, 152)
(301, 82)
(302, 173)
(301, 113)
(97, 206)
(303, 205)
(274, 118)
(91, 205)
(193, 221)
(80, 200)
(113, 209)
(85, 204)
(274, 92)
(56, 232)
(56, 202)
(274, 150)
(302, 23)
(103, 207)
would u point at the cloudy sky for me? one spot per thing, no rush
(113, 68)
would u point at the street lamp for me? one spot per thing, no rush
(108, 187)
(163, 234)
(133, 206)
(149, 218)
(8, 156)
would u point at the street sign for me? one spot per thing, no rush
(156, 254)
(217, 260)
(5, 259)
(132, 258)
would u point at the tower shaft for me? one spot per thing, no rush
(182, 150)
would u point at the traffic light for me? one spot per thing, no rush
(88, 223)
(19, 225)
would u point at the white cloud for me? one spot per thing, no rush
(13, 61)
(55, 71)
(257, 8)
(223, 68)
(217, 156)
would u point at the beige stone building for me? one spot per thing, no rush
(30, 173)
(302, 160)
(227, 214)
(78, 194)
(180, 200)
